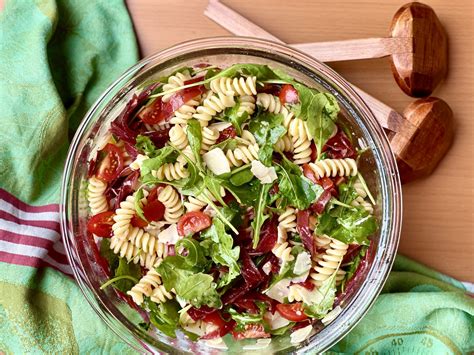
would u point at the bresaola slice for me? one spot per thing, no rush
(339, 147)
(302, 225)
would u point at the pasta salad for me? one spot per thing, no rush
(229, 201)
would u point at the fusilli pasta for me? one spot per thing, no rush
(96, 195)
(174, 81)
(212, 106)
(171, 171)
(178, 137)
(242, 155)
(185, 112)
(173, 206)
(236, 86)
(329, 262)
(287, 219)
(334, 167)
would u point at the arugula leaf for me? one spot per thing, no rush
(233, 213)
(213, 184)
(241, 177)
(138, 203)
(119, 267)
(243, 319)
(353, 225)
(126, 269)
(194, 134)
(267, 128)
(246, 194)
(145, 145)
(320, 112)
(221, 250)
(164, 316)
(164, 155)
(195, 255)
(188, 282)
(295, 187)
(232, 115)
(260, 216)
(325, 300)
(262, 72)
(228, 144)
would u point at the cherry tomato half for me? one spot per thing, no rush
(251, 331)
(112, 165)
(153, 211)
(101, 224)
(288, 94)
(193, 222)
(293, 312)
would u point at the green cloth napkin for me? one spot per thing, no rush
(56, 58)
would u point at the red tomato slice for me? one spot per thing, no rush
(101, 224)
(193, 222)
(252, 331)
(158, 110)
(138, 222)
(293, 312)
(112, 165)
(288, 95)
(154, 211)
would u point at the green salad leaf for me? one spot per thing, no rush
(232, 115)
(325, 298)
(161, 156)
(352, 225)
(260, 215)
(189, 282)
(267, 128)
(243, 319)
(262, 72)
(220, 247)
(146, 146)
(228, 144)
(298, 190)
(164, 316)
(194, 134)
(243, 176)
(119, 268)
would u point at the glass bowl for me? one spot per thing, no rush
(378, 166)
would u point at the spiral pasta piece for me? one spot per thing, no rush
(185, 112)
(302, 151)
(283, 252)
(147, 242)
(237, 86)
(334, 167)
(247, 138)
(173, 206)
(273, 104)
(160, 295)
(171, 171)
(284, 144)
(178, 137)
(174, 81)
(246, 104)
(322, 241)
(197, 203)
(131, 253)
(96, 195)
(145, 286)
(212, 106)
(123, 217)
(287, 219)
(242, 155)
(329, 262)
(209, 138)
(360, 199)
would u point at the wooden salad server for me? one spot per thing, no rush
(417, 46)
(419, 138)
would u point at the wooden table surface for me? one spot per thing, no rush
(438, 211)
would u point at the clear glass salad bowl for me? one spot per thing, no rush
(378, 167)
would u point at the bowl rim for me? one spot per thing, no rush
(377, 278)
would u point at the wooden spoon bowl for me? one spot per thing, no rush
(425, 139)
(419, 72)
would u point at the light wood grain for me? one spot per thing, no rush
(438, 211)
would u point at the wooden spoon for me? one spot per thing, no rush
(419, 139)
(418, 45)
